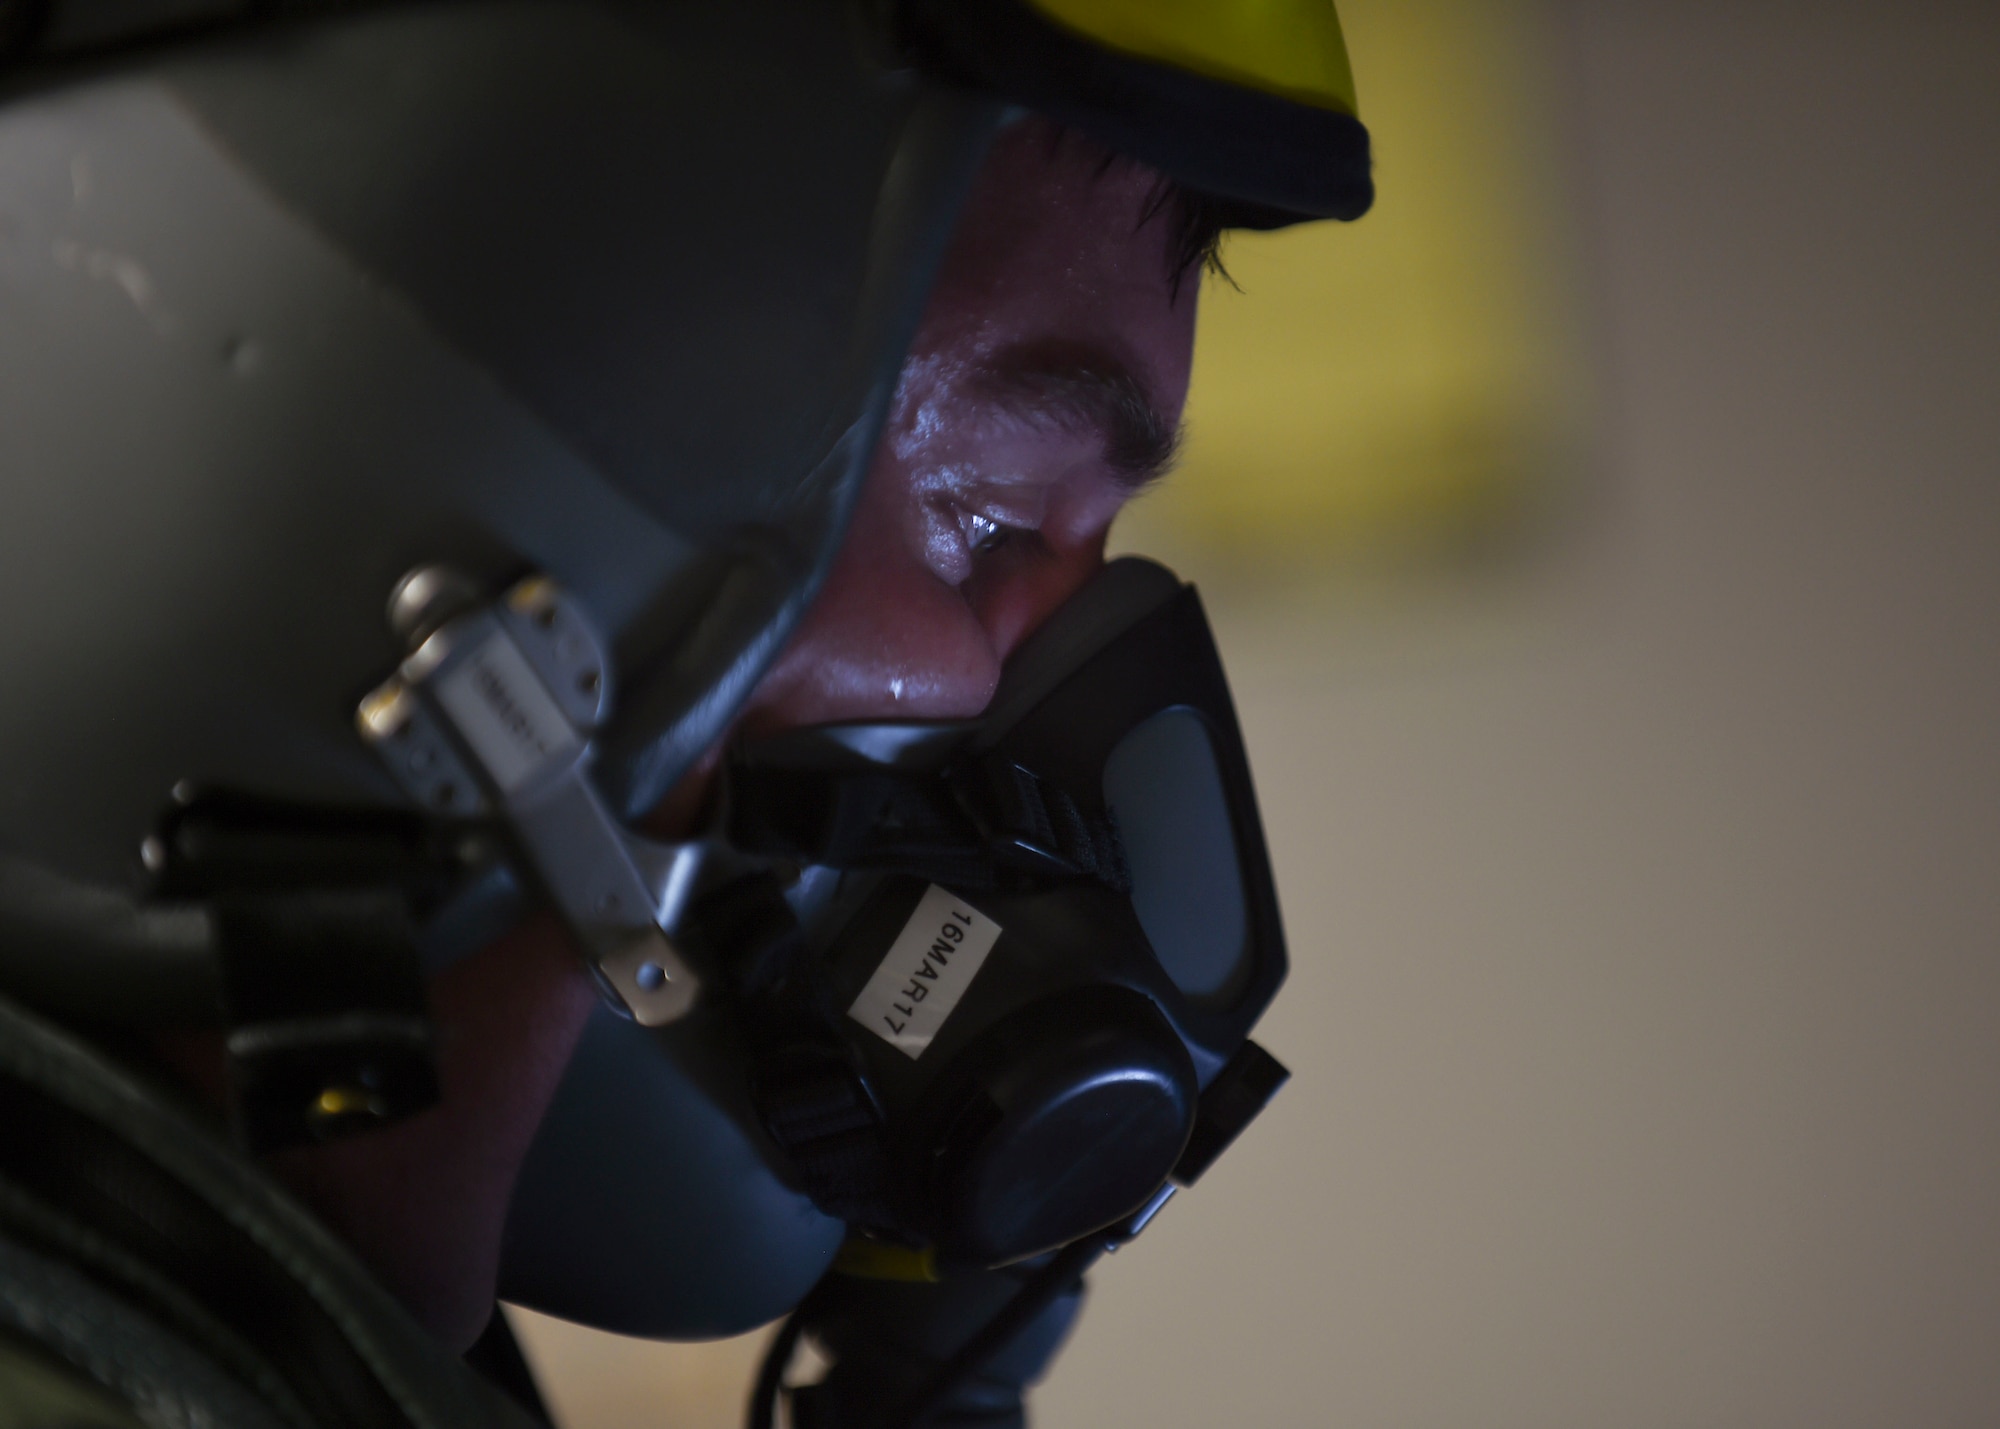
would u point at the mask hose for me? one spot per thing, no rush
(771, 1372)
(1052, 1280)
(1060, 1276)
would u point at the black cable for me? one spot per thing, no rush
(1036, 1295)
(771, 1373)
(1062, 1273)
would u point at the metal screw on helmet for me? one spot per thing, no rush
(425, 598)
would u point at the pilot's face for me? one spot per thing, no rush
(1044, 387)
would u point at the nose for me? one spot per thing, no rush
(890, 638)
(886, 639)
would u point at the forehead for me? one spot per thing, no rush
(1049, 196)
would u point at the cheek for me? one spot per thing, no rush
(1023, 583)
(887, 639)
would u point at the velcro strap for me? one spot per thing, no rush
(816, 1108)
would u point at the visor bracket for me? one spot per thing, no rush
(492, 713)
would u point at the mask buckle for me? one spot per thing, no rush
(1034, 827)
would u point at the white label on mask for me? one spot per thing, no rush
(929, 967)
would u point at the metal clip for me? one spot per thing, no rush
(492, 712)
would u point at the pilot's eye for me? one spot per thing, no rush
(984, 534)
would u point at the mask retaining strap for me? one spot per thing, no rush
(983, 823)
(808, 1090)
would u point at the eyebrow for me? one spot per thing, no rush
(1084, 389)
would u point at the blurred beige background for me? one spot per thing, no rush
(1633, 784)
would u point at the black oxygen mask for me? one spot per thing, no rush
(971, 990)
(1055, 927)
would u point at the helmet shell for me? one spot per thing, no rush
(614, 291)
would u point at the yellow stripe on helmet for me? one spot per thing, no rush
(1289, 48)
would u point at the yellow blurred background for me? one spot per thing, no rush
(1604, 541)
(1409, 387)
